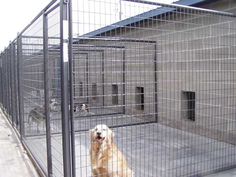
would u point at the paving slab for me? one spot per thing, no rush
(13, 159)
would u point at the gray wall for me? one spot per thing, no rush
(195, 52)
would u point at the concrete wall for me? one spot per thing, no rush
(195, 52)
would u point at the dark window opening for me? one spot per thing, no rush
(94, 91)
(188, 105)
(81, 90)
(115, 94)
(139, 98)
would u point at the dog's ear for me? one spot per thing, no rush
(110, 140)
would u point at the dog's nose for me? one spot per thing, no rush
(98, 133)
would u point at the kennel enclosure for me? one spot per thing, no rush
(161, 76)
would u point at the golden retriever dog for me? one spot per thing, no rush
(106, 159)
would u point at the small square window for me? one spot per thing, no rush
(139, 98)
(115, 94)
(188, 105)
(94, 91)
(81, 90)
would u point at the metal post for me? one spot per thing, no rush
(1, 90)
(103, 79)
(12, 84)
(123, 81)
(46, 94)
(70, 54)
(15, 86)
(155, 83)
(87, 77)
(64, 89)
(3, 81)
(20, 94)
(7, 83)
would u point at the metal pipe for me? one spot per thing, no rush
(16, 86)
(183, 7)
(46, 95)
(64, 92)
(123, 81)
(12, 83)
(19, 67)
(103, 78)
(70, 55)
(37, 16)
(155, 83)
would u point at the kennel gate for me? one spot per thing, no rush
(160, 75)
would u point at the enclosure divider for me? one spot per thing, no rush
(64, 90)
(15, 85)
(1, 83)
(3, 96)
(103, 79)
(12, 84)
(123, 80)
(46, 95)
(14, 106)
(19, 69)
(70, 59)
(155, 82)
(7, 81)
(87, 78)
(3, 93)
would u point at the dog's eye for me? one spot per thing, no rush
(96, 129)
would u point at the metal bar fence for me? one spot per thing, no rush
(160, 76)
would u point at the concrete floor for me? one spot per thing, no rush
(152, 150)
(227, 173)
(13, 159)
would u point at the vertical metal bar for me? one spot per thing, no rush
(70, 55)
(87, 76)
(12, 84)
(155, 82)
(64, 91)
(1, 82)
(123, 81)
(20, 94)
(15, 86)
(7, 83)
(46, 94)
(103, 80)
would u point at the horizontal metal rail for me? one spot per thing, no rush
(183, 7)
(40, 13)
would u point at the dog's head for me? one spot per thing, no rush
(53, 104)
(84, 107)
(102, 134)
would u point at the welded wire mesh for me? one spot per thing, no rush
(32, 80)
(160, 76)
(163, 80)
(55, 90)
